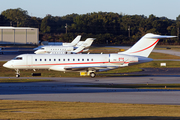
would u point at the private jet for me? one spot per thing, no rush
(73, 43)
(66, 49)
(88, 63)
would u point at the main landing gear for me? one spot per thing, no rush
(17, 73)
(92, 74)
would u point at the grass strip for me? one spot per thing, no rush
(14, 109)
(19, 80)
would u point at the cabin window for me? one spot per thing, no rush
(49, 59)
(78, 60)
(82, 59)
(54, 59)
(91, 59)
(68, 59)
(35, 59)
(73, 59)
(18, 58)
(63, 59)
(59, 59)
(87, 59)
(44, 59)
(40, 59)
(42, 48)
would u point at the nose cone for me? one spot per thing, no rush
(7, 65)
(38, 52)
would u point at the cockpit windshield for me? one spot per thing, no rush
(17, 58)
(42, 49)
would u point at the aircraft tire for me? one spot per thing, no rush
(92, 74)
(17, 75)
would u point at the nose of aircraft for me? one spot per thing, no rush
(36, 52)
(39, 52)
(7, 65)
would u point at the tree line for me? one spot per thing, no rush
(107, 27)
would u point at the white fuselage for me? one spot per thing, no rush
(58, 49)
(96, 62)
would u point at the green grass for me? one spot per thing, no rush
(10, 80)
(154, 55)
(14, 109)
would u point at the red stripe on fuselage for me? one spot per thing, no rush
(147, 47)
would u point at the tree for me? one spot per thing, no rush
(45, 24)
(4, 21)
(17, 16)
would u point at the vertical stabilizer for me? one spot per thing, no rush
(87, 43)
(76, 40)
(145, 45)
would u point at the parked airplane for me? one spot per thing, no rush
(80, 43)
(65, 49)
(73, 43)
(89, 63)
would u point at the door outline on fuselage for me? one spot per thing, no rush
(29, 61)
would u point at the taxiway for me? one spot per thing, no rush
(66, 89)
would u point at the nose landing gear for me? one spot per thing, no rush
(17, 73)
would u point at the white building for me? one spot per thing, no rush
(19, 35)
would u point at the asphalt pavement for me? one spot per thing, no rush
(66, 89)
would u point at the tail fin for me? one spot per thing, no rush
(87, 43)
(76, 40)
(145, 45)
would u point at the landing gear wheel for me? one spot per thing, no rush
(92, 74)
(17, 75)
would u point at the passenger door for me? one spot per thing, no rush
(29, 61)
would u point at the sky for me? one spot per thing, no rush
(40, 8)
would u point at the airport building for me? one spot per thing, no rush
(19, 35)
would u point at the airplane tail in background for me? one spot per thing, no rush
(87, 43)
(145, 45)
(74, 42)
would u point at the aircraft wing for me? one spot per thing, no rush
(80, 68)
(85, 68)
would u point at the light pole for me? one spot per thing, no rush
(66, 27)
(129, 31)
